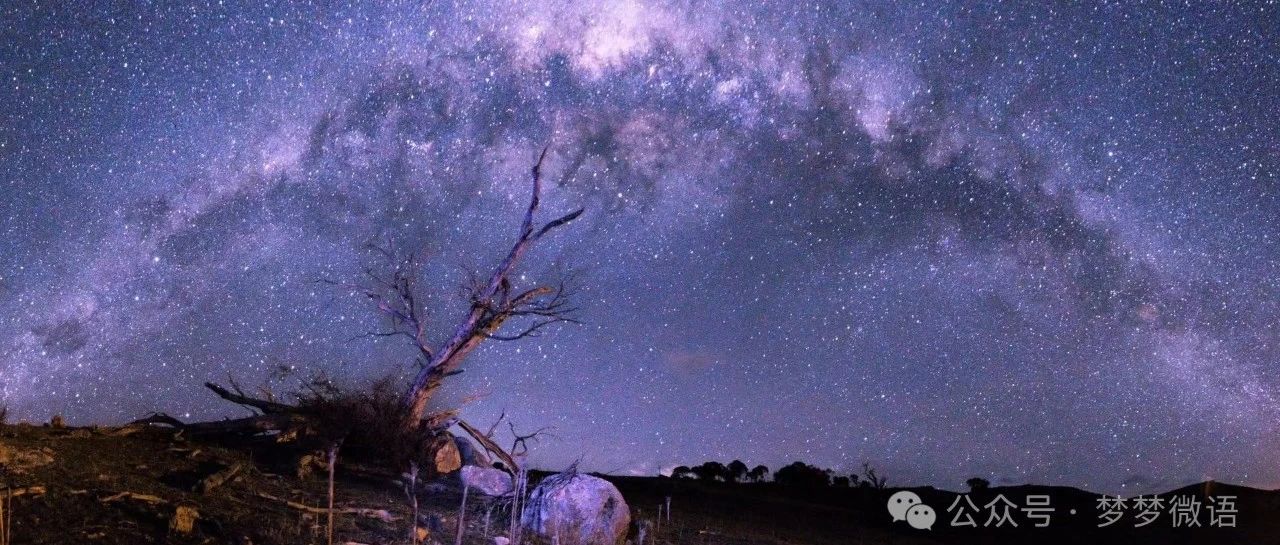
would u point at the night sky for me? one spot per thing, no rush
(1029, 242)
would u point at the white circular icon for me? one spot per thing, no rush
(900, 502)
(921, 517)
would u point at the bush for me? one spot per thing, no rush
(367, 422)
(4, 414)
(978, 484)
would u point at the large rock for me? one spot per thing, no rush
(471, 456)
(576, 509)
(487, 480)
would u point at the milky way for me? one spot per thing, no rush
(1031, 243)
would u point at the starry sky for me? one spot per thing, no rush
(1028, 241)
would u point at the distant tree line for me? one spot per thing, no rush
(798, 474)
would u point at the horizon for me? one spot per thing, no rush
(1030, 244)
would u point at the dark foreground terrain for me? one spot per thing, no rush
(148, 485)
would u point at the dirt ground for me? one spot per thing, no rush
(128, 486)
(98, 485)
(153, 485)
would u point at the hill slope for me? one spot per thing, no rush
(128, 486)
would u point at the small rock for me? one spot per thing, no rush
(487, 480)
(422, 534)
(184, 520)
(435, 488)
(436, 523)
(501, 540)
(310, 463)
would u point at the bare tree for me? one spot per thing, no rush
(493, 302)
(873, 479)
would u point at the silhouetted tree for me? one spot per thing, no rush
(682, 472)
(871, 479)
(712, 471)
(736, 471)
(758, 473)
(978, 484)
(802, 474)
(840, 481)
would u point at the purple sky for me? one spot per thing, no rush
(1026, 243)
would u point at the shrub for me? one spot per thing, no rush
(367, 422)
(978, 484)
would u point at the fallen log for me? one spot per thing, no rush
(267, 407)
(28, 491)
(263, 423)
(380, 514)
(218, 479)
(147, 498)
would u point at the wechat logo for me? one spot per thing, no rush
(906, 505)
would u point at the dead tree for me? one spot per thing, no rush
(493, 302)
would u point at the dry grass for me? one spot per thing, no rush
(6, 516)
(6, 500)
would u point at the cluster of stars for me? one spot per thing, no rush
(1035, 243)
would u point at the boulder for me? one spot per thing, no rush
(577, 509)
(486, 480)
(471, 456)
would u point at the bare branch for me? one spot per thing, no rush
(489, 445)
(561, 221)
(531, 331)
(520, 445)
(239, 397)
(495, 423)
(394, 292)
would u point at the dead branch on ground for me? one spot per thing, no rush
(379, 514)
